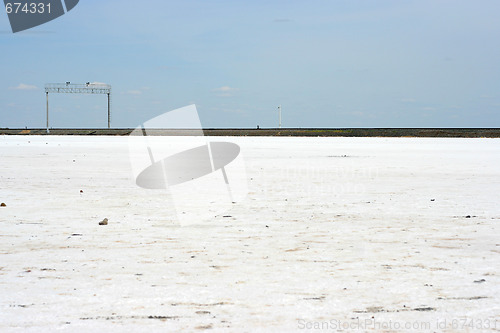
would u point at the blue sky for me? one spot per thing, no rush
(329, 63)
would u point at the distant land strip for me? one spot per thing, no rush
(299, 132)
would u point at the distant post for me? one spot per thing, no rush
(279, 109)
(47, 93)
(109, 109)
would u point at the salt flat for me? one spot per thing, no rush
(334, 233)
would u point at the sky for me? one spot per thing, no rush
(352, 63)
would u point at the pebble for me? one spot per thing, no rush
(3, 204)
(104, 222)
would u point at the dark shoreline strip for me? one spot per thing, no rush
(299, 132)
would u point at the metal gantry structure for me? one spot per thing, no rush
(87, 88)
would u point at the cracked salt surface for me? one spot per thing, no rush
(333, 230)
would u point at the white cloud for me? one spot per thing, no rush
(23, 86)
(134, 92)
(225, 91)
(98, 83)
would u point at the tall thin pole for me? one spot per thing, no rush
(109, 113)
(47, 94)
(279, 107)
